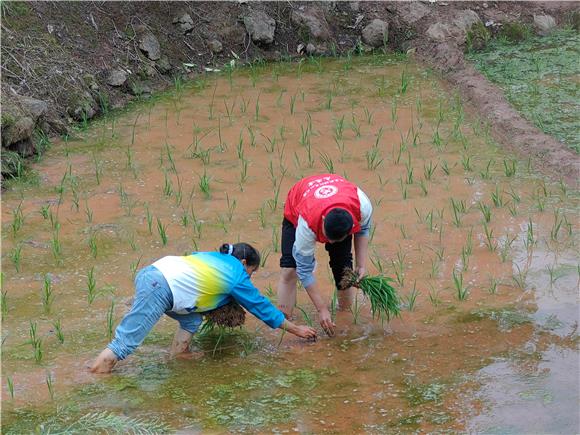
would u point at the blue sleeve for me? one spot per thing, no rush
(252, 300)
(304, 267)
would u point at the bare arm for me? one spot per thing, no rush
(361, 249)
(322, 308)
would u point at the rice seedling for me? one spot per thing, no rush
(520, 277)
(403, 231)
(4, 303)
(93, 245)
(306, 316)
(44, 210)
(404, 82)
(409, 169)
(10, 384)
(329, 99)
(111, 320)
(461, 291)
(341, 148)
(436, 140)
(204, 185)
(273, 203)
(509, 167)
(211, 104)
(411, 298)
(17, 219)
(530, 240)
(47, 294)
(506, 246)
(368, 115)
(399, 268)
(58, 331)
(257, 109)
(488, 241)
(49, 385)
(231, 207)
(445, 167)
(162, 230)
(512, 209)
(485, 173)
(403, 188)
(327, 162)
(458, 209)
(270, 144)
(434, 297)
(382, 181)
(243, 173)
(516, 198)
(429, 170)
(540, 203)
(16, 256)
(497, 197)
(91, 286)
(36, 342)
(373, 158)
(383, 297)
(466, 163)
(485, 211)
(264, 257)
(557, 225)
(355, 126)
(355, 309)
(222, 223)
(394, 112)
(293, 103)
(56, 246)
(377, 262)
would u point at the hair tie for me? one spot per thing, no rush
(230, 249)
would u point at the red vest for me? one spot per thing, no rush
(313, 197)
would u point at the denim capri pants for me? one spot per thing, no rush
(153, 298)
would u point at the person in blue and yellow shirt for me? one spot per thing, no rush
(184, 287)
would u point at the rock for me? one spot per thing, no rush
(544, 24)
(375, 33)
(82, 106)
(215, 46)
(414, 11)
(150, 46)
(147, 71)
(117, 77)
(310, 49)
(438, 32)
(313, 21)
(260, 26)
(18, 130)
(164, 65)
(138, 88)
(185, 23)
(33, 107)
(354, 6)
(464, 20)
(90, 82)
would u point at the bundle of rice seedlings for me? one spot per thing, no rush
(384, 300)
(230, 315)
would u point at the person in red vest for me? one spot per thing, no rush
(327, 209)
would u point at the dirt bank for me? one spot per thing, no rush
(65, 63)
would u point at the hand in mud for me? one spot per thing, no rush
(305, 332)
(326, 322)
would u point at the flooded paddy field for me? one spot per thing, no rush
(484, 253)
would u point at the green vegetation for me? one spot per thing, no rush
(538, 77)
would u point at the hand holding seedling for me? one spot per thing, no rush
(326, 321)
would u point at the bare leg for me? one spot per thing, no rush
(346, 298)
(104, 362)
(287, 291)
(181, 342)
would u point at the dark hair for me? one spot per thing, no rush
(337, 224)
(242, 251)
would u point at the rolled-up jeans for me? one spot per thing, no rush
(153, 298)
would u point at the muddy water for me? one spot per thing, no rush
(500, 359)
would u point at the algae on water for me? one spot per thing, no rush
(540, 78)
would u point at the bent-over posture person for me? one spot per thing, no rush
(184, 287)
(327, 209)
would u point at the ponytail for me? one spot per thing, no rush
(242, 251)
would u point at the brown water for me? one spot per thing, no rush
(503, 360)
